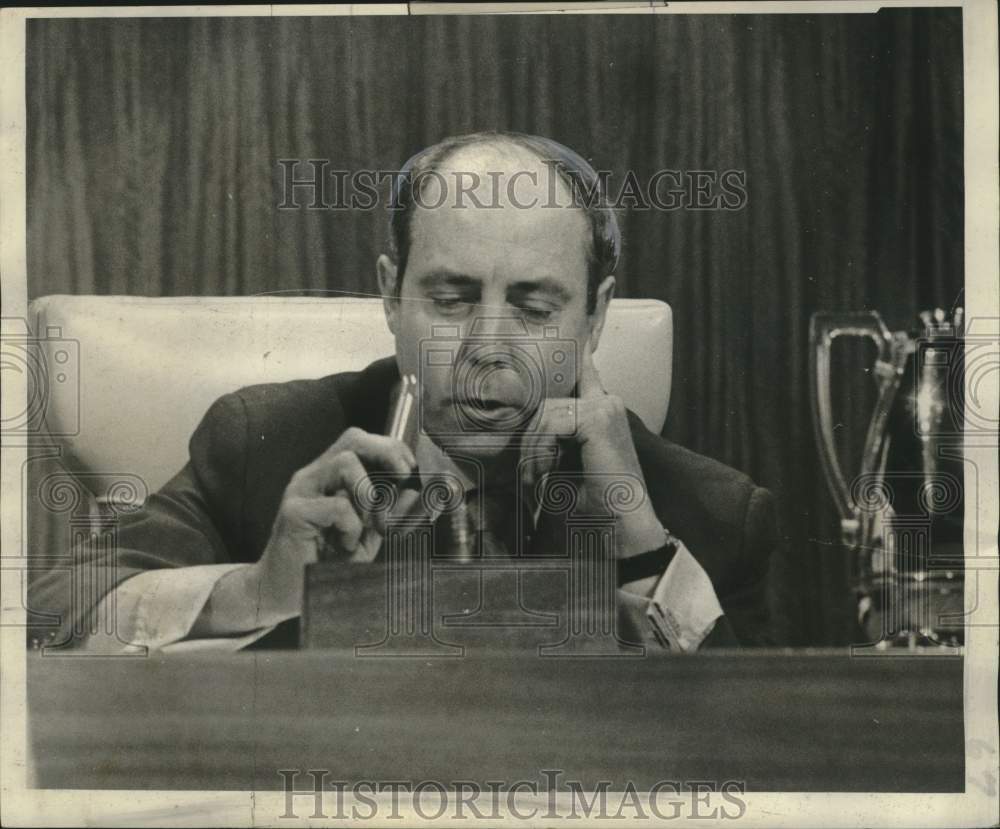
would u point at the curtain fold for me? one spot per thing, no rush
(153, 148)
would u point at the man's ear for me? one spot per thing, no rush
(605, 293)
(386, 270)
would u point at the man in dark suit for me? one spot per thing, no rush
(494, 238)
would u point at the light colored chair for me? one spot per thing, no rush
(129, 378)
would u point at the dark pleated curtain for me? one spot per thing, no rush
(152, 170)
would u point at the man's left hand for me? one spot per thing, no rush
(597, 423)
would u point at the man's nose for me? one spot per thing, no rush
(493, 337)
(501, 326)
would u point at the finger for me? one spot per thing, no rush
(330, 473)
(590, 381)
(539, 454)
(557, 417)
(368, 547)
(340, 468)
(334, 517)
(372, 536)
(381, 450)
(346, 528)
(344, 475)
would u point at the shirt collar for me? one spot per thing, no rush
(434, 462)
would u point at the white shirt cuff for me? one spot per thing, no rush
(683, 608)
(156, 610)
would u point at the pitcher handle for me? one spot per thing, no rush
(824, 328)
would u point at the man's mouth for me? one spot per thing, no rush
(492, 411)
(487, 404)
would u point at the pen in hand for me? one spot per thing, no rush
(403, 426)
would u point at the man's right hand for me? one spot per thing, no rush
(321, 508)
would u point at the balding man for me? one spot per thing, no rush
(498, 239)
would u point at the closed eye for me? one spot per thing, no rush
(451, 304)
(537, 313)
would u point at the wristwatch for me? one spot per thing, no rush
(651, 563)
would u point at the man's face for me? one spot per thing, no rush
(492, 314)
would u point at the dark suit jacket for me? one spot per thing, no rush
(220, 507)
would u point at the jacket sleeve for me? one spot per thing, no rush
(195, 519)
(747, 606)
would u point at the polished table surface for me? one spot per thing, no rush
(792, 721)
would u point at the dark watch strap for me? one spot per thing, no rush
(653, 563)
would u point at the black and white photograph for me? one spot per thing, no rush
(527, 414)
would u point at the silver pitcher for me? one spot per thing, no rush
(901, 515)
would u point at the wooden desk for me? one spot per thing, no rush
(805, 722)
